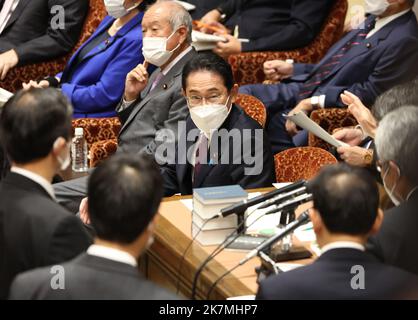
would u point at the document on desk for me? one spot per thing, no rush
(4, 96)
(303, 121)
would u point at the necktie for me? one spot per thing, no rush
(201, 156)
(1, 4)
(316, 79)
(156, 80)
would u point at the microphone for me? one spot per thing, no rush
(243, 205)
(292, 203)
(282, 196)
(303, 218)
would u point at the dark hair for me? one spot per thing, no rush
(145, 4)
(347, 199)
(124, 194)
(211, 62)
(31, 121)
(401, 95)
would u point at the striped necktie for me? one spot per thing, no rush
(316, 79)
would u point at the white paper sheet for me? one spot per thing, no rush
(303, 121)
(4, 96)
(186, 5)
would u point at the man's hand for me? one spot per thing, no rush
(84, 211)
(354, 156)
(305, 106)
(136, 81)
(351, 136)
(8, 60)
(231, 46)
(277, 70)
(362, 114)
(34, 84)
(211, 17)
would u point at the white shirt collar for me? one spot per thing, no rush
(35, 178)
(112, 254)
(341, 245)
(177, 59)
(381, 22)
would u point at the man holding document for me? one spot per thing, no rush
(379, 54)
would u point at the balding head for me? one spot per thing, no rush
(165, 17)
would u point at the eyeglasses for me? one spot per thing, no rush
(195, 101)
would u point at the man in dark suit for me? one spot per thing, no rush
(203, 7)
(152, 104)
(397, 145)
(366, 62)
(270, 25)
(346, 211)
(124, 195)
(38, 30)
(35, 130)
(222, 144)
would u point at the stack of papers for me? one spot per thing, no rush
(303, 121)
(4, 96)
(202, 41)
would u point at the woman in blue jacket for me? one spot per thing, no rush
(94, 78)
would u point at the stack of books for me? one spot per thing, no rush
(207, 203)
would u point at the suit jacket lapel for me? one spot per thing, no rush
(144, 97)
(16, 14)
(164, 84)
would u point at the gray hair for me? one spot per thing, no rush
(397, 141)
(401, 95)
(179, 16)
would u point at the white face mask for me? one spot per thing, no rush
(376, 7)
(155, 51)
(209, 117)
(116, 9)
(391, 193)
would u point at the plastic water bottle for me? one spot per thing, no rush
(79, 154)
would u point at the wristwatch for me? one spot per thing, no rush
(368, 157)
(315, 102)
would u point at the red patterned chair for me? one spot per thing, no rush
(98, 129)
(17, 76)
(101, 134)
(301, 163)
(253, 107)
(329, 120)
(248, 66)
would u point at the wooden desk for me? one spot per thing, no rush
(173, 235)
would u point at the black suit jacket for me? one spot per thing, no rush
(396, 243)
(35, 231)
(330, 277)
(276, 24)
(88, 278)
(178, 177)
(203, 7)
(31, 34)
